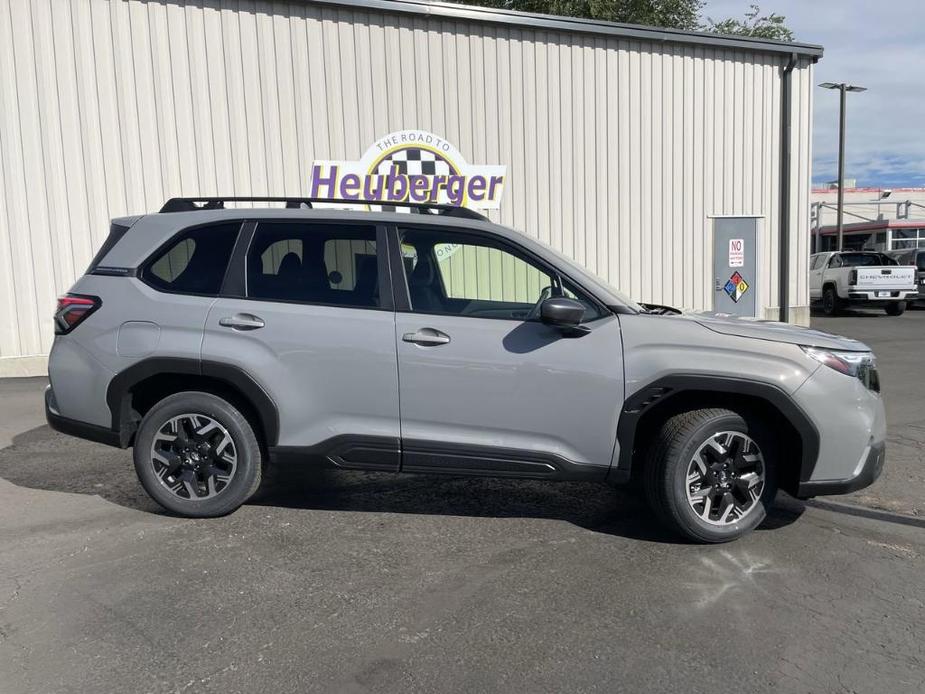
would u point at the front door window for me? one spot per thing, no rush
(468, 275)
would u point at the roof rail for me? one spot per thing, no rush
(218, 203)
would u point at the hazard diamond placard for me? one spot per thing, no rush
(736, 286)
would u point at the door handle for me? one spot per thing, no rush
(242, 321)
(427, 336)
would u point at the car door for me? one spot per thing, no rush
(816, 269)
(307, 313)
(485, 387)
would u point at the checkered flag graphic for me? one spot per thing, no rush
(413, 162)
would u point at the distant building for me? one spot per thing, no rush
(874, 218)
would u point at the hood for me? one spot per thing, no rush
(774, 331)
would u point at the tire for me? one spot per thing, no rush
(226, 473)
(671, 457)
(895, 308)
(830, 301)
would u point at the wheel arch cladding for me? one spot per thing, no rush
(646, 409)
(134, 390)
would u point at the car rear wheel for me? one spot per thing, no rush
(896, 308)
(197, 455)
(710, 475)
(830, 303)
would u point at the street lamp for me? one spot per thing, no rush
(843, 88)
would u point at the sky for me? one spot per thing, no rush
(878, 45)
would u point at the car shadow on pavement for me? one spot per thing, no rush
(589, 505)
(45, 460)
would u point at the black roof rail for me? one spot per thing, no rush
(218, 203)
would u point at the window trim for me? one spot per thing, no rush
(156, 254)
(402, 295)
(236, 279)
(234, 285)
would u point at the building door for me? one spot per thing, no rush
(735, 265)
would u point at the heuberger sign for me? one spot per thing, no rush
(410, 166)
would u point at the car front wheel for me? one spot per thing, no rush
(197, 455)
(710, 475)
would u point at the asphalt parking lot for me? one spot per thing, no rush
(342, 582)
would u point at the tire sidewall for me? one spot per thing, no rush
(248, 466)
(829, 301)
(676, 478)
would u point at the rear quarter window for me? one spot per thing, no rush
(116, 232)
(194, 262)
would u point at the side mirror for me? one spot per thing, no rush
(562, 312)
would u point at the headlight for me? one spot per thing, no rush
(860, 365)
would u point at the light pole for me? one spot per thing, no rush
(843, 88)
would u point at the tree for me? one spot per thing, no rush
(675, 14)
(678, 14)
(770, 26)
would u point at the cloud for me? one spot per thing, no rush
(875, 46)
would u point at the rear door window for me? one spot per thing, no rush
(314, 263)
(193, 262)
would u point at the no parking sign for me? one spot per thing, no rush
(736, 252)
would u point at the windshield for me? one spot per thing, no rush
(864, 259)
(581, 271)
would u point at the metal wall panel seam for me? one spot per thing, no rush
(57, 200)
(25, 249)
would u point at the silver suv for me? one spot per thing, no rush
(217, 341)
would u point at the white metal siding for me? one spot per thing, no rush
(618, 151)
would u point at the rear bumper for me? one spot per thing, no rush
(870, 470)
(870, 297)
(73, 427)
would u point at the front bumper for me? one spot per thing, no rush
(870, 469)
(73, 427)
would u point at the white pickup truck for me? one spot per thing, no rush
(838, 279)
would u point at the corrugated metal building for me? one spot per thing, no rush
(620, 142)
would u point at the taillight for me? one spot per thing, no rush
(72, 310)
(853, 277)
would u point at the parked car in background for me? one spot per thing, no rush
(915, 257)
(219, 341)
(860, 278)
